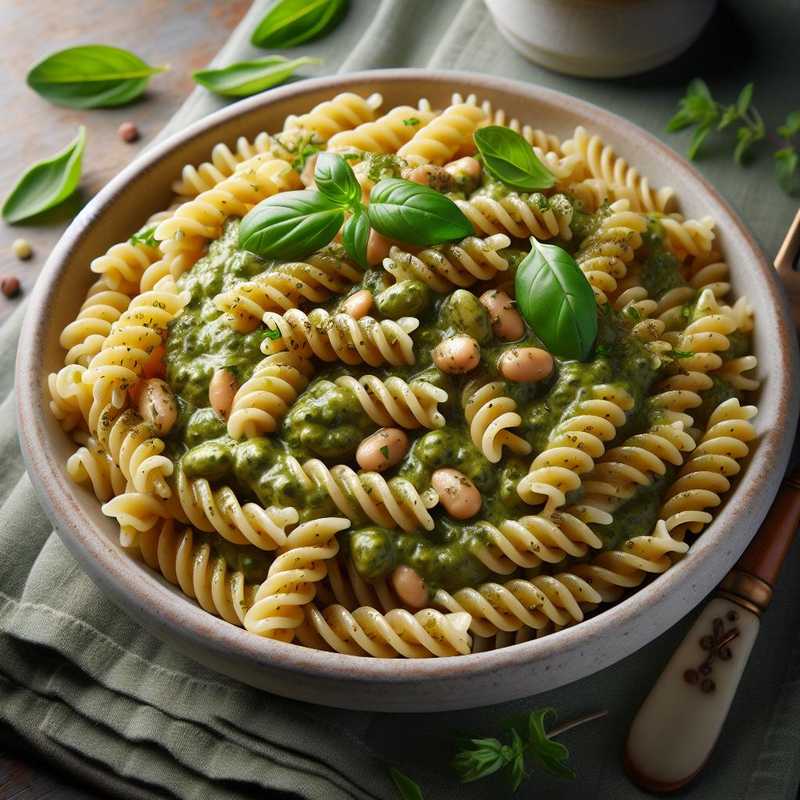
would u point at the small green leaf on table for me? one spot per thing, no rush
(291, 22)
(245, 78)
(91, 76)
(47, 183)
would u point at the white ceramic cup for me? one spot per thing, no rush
(600, 38)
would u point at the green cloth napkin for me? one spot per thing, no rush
(85, 686)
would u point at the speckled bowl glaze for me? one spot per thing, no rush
(363, 683)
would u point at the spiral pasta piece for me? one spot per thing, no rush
(395, 402)
(593, 193)
(366, 631)
(603, 257)
(690, 237)
(602, 162)
(706, 336)
(70, 397)
(345, 112)
(706, 475)
(345, 587)
(133, 337)
(519, 216)
(636, 304)
(637, 462)
(532, 540)
(573, 447)
(490, 415)
(292, 580)
(340, 336)
(136, 449)
(123, 265)
(260, 402)
(535, 603)
(136, 513)
(286, 286)
(223, 164)
(186, 232)
(444, 136)
(92, 465)
(612, 572)
(219, 510)
(83, 337)
(547, 142)
(459, 264)
(390, 504)
(387, 134)
(201, 575)
(709, 271)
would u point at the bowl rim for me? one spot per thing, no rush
(188, 621)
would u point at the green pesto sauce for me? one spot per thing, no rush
(660, 269)
(326, 422)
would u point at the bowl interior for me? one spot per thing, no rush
(144, 187)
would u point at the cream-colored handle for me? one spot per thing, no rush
(678, 724)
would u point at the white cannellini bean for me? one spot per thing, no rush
(221, 391)
(157, 405)
(410, 588)
(382, 450)
(468, 167)
(358, 304)
(458, 495)
(525, 364)
(377, 248)
(506, 321)
(457, 355)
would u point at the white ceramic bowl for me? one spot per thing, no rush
(601, 38)
(397, 685)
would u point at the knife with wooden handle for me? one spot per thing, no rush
(679, 722)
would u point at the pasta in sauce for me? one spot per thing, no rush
(218, 400)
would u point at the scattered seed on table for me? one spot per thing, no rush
(10, 287)
(128, 132)
(22, 249)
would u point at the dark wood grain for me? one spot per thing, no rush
(185, 34)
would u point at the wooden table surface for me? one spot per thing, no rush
(185, 34)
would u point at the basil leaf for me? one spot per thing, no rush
(355, 235)
(91, 76)
(410, 212)
(557, 301)
(510, 159)
(250, 77)
(290, 225)
(47, 183)
(292, 22)
(335, 179)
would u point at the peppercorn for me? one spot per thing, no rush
(22, 249)
(10, 286)
(128, 132)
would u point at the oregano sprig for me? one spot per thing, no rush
(699, 109)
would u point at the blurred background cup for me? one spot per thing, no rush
(601, 38)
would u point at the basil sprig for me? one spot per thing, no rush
(556, 299)
(47, 183)
(250, 77)
(295, 224)
(292, 22)
(510, 159)
(414, 213)
(91, 76)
